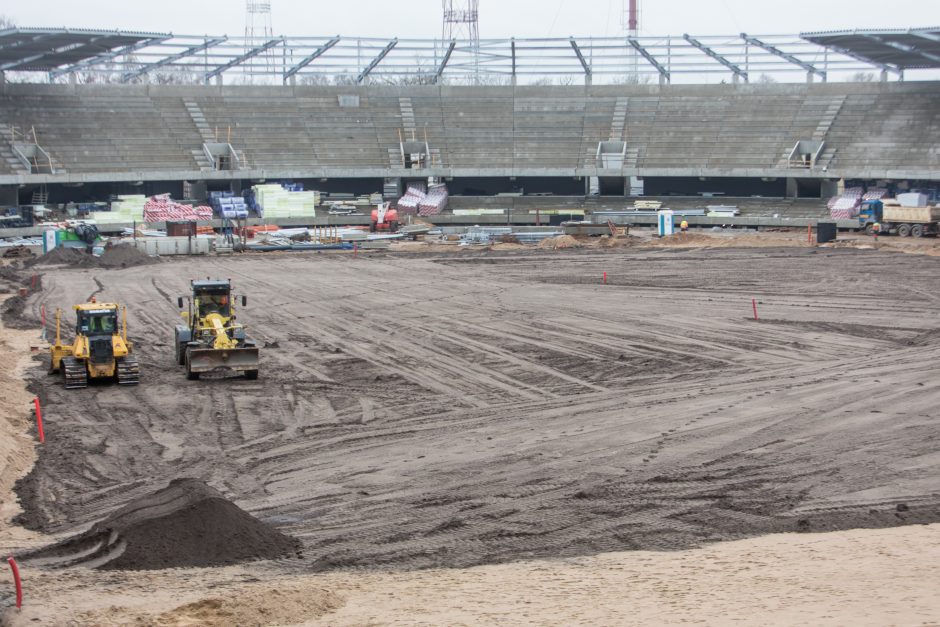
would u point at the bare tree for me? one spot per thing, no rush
(863, 77)
(6, 22)
(766, 79)
(633, 79)
(315, 79)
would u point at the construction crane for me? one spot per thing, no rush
(99, 350)
(211, 340)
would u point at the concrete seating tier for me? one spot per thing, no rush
(719, 128)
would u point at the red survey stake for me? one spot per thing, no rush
(16, 582)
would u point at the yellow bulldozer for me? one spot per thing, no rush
(211, 340)
(100, 350)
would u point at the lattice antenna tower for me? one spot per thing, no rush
(258, 31)
(461, 21)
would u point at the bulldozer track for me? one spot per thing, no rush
(128, 370)
(74, 373)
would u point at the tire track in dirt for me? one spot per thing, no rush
(420, 412)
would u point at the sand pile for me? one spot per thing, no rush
(560, 242)
(185, 524)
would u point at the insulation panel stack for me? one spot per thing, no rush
(912, 200)
(273, 201)
(125, 210)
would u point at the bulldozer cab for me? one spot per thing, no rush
(96, 322)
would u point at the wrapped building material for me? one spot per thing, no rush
(273, 201)
(125, 210)
(912, 200)
(162, 208)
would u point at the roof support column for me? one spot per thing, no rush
(584, 63)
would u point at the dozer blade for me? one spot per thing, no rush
(235, 359)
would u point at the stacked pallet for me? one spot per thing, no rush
(162, 208)
(408, 204)
(228, 205)
(124, 210)
(434, 202)
(846, 206)
(273, 201)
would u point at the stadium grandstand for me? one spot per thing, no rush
(87, 114)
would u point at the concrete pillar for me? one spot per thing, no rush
(828, 189)
(792, 190)
(218, 80)
(884, 76)
(513, 80)
(734, 79)
(809, 78)
(662, 80)
(73, 78)
(293, 80)
(3, 77)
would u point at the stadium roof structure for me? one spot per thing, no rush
(46, 49)
(134, 57)
(898, 50)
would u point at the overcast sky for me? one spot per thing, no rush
(498, 18)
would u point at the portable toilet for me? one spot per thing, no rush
(666, 226)
(50, 239)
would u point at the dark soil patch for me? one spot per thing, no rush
(186, 524)
(121, 256)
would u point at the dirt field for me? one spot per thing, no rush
(452, 410)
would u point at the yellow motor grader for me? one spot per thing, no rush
(100, 349)
(211, 341)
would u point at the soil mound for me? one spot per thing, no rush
(557, 243)
(121, 256)
(124, 256)
(75, 257)
(185, 524)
